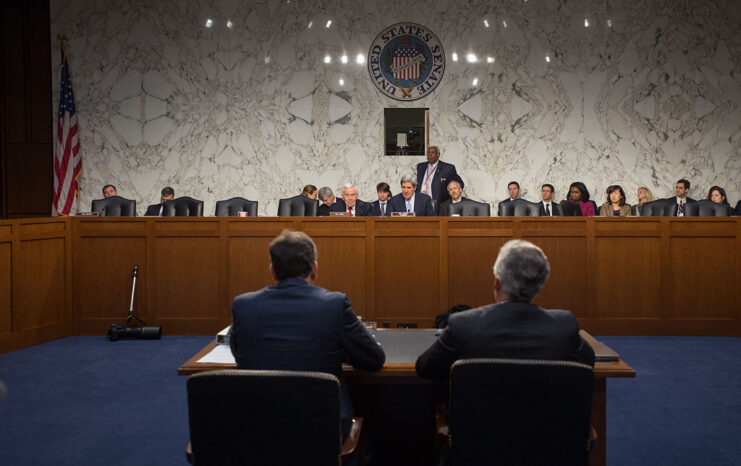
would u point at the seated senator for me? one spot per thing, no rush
(351, 204)
(717, 195)
(579, 194)
(167, 194)
(325, 195)
(410, 201)
(615, 205)
(309, 191)
(295, 325)
(644, 195)
(514, 327)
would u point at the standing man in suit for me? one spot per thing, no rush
(455, 191)
(381, 206)
(325, 195)
(434, 176)
(167, 194)
(513, 327)
(410, 201)
(681, 189)
(297, 326)
(548, 208)
(351, 204)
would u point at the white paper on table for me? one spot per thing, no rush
(222, 354)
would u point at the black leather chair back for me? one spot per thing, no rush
(231, 207)
(469, 208)
(297, 206)
(183, 207)
(659, 208)
(520, 412)
(705, 208)
(519, 208)
(114, 206)
(434, 205)
(264, 417)
(570, 209)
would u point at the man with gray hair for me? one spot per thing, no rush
(351, 204)
(513, 327)
(410, 201)
(326, 196)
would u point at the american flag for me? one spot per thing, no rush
(67, 158)
(406, 63)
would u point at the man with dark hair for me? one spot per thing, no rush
(109, 191)
(167, 194)
(381, 206)
(297, 326)
(434, 175)
(681, 189)
(514, 193)
(513, 327)
(548, 208)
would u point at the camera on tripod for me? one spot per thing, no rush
(143, 333)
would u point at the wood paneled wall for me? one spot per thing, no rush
(634, 276)
(26, 117)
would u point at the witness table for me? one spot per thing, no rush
(403, 346)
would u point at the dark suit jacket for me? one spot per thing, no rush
(554, 208)
(376, 205)
(422, 205)
(362, 208)
(444, 173)
(322, 210)
(737, 210)
(301, 327)
(674, 200)
(506, 330)
(153, 210)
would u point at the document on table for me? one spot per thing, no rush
(221, 354)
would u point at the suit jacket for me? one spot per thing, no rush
(362, 208)
(605, 210)
(506, 330)
(554, 209)
(442, 208)
(296, 326)
(422, 205)
(687, 201)
(153, 210)
(376, 206)
(444, 173)
(322, 210)
(737, 210)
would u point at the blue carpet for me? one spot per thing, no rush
(84, 400)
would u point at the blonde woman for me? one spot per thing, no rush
(644, 195)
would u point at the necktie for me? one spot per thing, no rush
(383, 208)
(349, 211)
(681, 208)
(427, 181)
(548, 209)
(409, 205)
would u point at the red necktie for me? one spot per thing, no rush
(349, 210)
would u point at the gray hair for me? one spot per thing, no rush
(522, 268)
(409, 178)
(453, 181)
(324, 191)
(349, 186)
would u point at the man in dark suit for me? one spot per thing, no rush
(326, 196)
(297, 326)
(381, 206)
(351, 204)
(548, 208)
(514, 193)
(167, 194)
(681, 189)
(455, 191)
(737, 210)
(434, 175)
(512, 328)
(410, 201)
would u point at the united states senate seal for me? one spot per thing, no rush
(406, 61)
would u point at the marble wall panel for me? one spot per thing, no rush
(245, 105)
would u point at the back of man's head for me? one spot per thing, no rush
(522, 269)
(292, 254)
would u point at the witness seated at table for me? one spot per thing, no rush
(644, 195)
(309, 191)
(297, 326)
(513, 327)
(615, 205)
(717, 195)
(579, 194)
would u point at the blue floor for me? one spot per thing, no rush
(84, 400)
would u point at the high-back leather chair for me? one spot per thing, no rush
(659, 208)
(570, 209)
(183, 207)
(469, 208)
(114, 206)
(519, 208)
(231, 207)
(266, 417)
(297, 206)
(515, 411)
(434, 204)
(705, 208)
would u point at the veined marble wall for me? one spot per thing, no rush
(647, 93)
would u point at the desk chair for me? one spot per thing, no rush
(183, 207)
(114, 206)
(469, 208)
(267, 417)
(659, 208)
(230, 207)
(519, 412)
(519, 208)
(705, 208)
(297, 206)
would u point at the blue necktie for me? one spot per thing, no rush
(409, 205)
